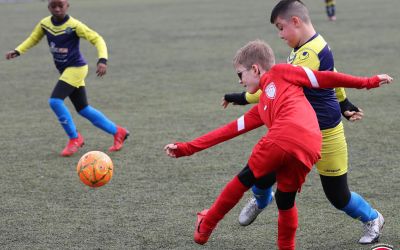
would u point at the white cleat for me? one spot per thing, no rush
(372, 230)
(250, 212)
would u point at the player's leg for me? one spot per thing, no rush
(230, 195)
(264, 160)
(77, 75)
(289, 178)
(338, 193)
(331, 9)
(287, 219)
(56, 102)
(262, 197)
(332, 168)
(98, 119)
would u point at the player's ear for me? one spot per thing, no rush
(255, 69)
(295, 20)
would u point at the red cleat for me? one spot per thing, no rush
(119, 139)
(73, 146)
(201, 237)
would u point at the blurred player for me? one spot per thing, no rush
(331, 9)
(291, 146)
(310, 49)
(63, 33)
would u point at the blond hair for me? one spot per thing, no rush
(255, 52)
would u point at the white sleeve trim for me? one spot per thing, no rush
(311, 77)
(240, 123)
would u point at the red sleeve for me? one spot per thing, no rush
(249, 121)
(306, 77)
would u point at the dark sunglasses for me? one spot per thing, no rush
(240, 74)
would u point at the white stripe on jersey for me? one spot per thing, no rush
(311, 77)
(240, 123)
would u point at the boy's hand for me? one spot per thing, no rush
(178, 149)
(385, 79)
(225, 103)
(354, 115)
(350, 111)
(170, 150)
(12, 54)
(101, 69)
(234, 98)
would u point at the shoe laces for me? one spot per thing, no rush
(252, 206)
(369, 228)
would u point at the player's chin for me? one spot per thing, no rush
(251, 90)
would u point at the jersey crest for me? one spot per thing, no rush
(304, 55)
(270, 90)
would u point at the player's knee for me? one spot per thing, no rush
(55, 103)
(285, 200)
(246, 176)
(84, 111)
(337, 200)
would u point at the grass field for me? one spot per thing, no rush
(170, 64)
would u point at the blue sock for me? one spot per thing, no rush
(263, 196)
(99, 120)
(64, 116)
(360, 209)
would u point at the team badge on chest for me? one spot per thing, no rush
(270, 90)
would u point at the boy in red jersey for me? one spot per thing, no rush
(289, 149)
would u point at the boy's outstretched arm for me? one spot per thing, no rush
(245, 123)
(34, 38)
(303, 76)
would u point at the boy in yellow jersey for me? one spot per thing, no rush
(63, 33)
(310, 49)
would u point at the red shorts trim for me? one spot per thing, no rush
(267, 157)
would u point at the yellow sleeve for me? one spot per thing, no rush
(94, 38)
(340, 93)
(35, 37)
(253, 98)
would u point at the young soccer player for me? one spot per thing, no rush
(310, 49)
(330, 9)
(63, 33)
(291, 146)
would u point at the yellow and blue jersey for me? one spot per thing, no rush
(63, 39)
(316, 54)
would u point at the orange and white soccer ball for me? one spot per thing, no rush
(95, 169)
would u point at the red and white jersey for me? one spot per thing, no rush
(284, 109)
(291, 120)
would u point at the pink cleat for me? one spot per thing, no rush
(73, 146)
(201, 237)
(119, 139)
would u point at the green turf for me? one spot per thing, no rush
(170, 64)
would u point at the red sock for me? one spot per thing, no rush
(287, 225)
(229, 197)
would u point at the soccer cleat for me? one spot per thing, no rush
(201, 237)
(250, 212)
(73, 146)
(119, 139)
(372, 230)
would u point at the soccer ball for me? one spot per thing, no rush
(95, 169)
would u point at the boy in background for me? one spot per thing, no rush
(331, 9)
(63, 33)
